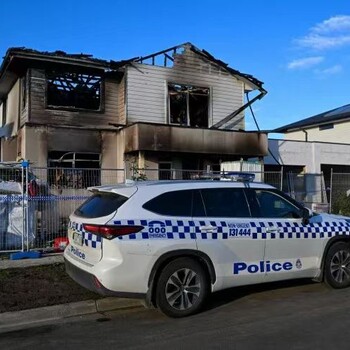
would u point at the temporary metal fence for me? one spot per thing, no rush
(273, 178)
(340, 193)
(34, 213)
(36, 216)
(59, 192)
(308, 189)
(39, 210)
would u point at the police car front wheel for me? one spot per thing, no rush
(182, 288)
(337, 265)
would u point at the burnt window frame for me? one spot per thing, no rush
(65, 171)
(100, 74)
(188, 116)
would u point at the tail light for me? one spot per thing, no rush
(110, 232)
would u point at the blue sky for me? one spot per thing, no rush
(299, 49)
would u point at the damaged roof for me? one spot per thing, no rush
(207, 56)
(18, 59)
(334, 115)
(47, 55)
(211, 58)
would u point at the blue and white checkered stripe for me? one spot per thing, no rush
(169, 229)
(296, 230)
(89, 239)
(187, 229)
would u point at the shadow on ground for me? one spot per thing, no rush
(227, 296)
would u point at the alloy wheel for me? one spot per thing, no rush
(340, 266)
(182, 289)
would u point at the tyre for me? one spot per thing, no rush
(337, 265)
(182, 288)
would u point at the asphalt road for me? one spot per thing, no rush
(298, 315)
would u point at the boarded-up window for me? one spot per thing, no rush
(188, 105)
(73, 90)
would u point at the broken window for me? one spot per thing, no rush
(188, 105)
(74, 170)
(73, 90)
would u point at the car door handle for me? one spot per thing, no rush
(273, 230)
(208, 229)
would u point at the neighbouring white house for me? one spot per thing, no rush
(316, 145)
(331, 126)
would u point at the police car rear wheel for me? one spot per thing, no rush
(337, 266)
(182, 288)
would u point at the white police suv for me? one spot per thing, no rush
(174, 242)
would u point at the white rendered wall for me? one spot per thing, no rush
(308, 154)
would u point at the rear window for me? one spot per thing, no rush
(100, 204)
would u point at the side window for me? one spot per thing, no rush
(272, 205)
(198, 205)
(175, 203)
(225, 202)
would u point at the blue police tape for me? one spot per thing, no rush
(19, 198)
(57, 198)
(10, 198)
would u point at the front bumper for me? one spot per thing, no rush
(89, 281)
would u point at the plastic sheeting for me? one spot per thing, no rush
(12, 221)
(10, 187)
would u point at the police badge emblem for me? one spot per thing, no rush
(298, 264)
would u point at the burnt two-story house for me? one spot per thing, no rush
(180, 108)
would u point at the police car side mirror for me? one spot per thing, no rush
(306, 214)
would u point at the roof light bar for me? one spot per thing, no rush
(238, 176)
(227, 176)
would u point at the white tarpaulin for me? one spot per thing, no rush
(10, 187)
(12, 221)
